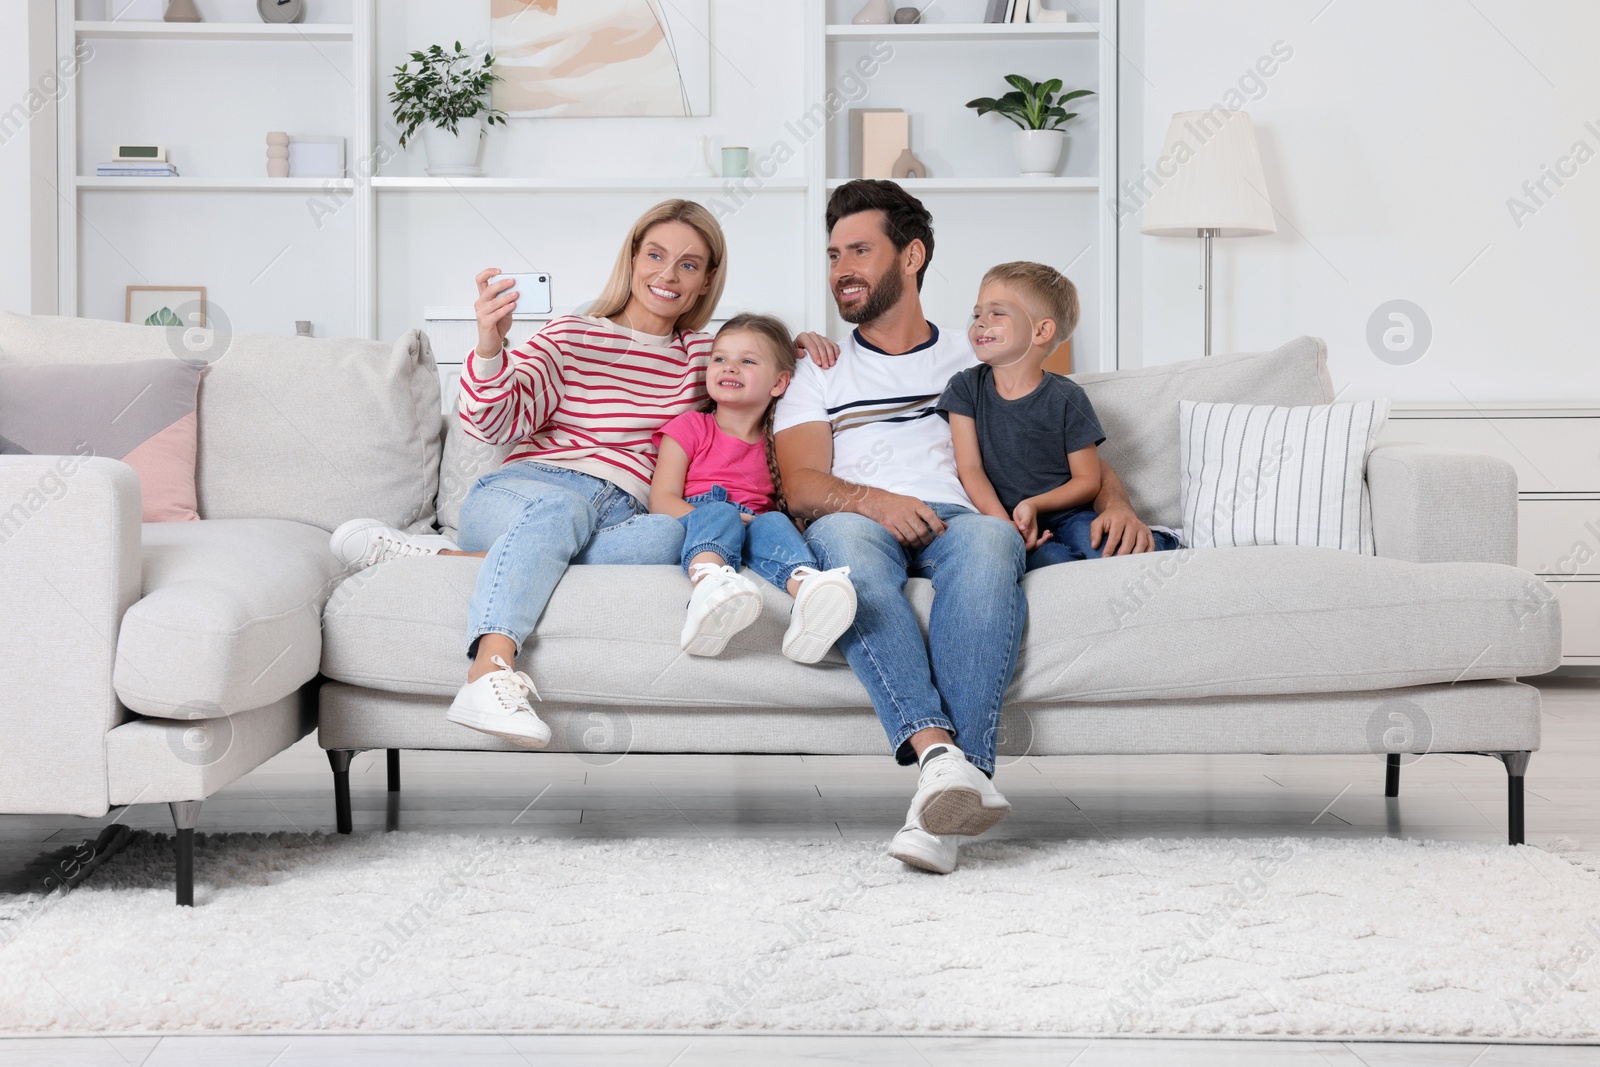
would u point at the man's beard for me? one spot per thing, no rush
(882, 295)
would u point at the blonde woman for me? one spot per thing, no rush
(580, 402)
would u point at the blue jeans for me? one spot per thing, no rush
(533, 520)
(956, 678)
(1070, 540)
(768, 544)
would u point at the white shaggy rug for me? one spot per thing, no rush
(432, 933)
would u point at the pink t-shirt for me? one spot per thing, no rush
(717, 458)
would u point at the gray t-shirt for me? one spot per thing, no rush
(1024, 441)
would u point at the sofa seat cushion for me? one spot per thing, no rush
(1194, 623)
(230, 619)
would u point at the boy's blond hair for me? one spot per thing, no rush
(1047, 289)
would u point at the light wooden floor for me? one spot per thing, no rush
(795, 797)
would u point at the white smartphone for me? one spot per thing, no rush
(532, 289)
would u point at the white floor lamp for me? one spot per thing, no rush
(1216, 188)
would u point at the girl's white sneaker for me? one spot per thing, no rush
(723, 603)
(363, 542)
(497, 703)
(824, 608)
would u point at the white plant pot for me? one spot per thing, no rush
(1039, 151)
(454, 155)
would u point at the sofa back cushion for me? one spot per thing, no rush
(466, 459)
(318, 431)
(1139, 411)
(142, 413)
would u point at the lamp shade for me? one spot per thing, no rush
(1210, 174)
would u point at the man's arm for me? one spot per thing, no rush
(805, 461)
(1115, 522)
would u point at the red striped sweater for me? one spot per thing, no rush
(586, 394)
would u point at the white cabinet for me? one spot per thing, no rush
(1555, 450)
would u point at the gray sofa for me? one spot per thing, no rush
(213, 645)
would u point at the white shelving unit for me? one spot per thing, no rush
(589, 185)
(935, 68)
(989, 185)
(962, 31)
(183, 37)
(409, 260)
(218, 185)
(212, 31)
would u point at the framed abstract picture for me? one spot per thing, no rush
(165, 305)
(601, 58)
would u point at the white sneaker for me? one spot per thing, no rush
(953, 796)
(723, 603)
(497, 703)
(363, 542)
(916, 847)
(824, 608)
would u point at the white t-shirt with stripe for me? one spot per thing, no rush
(886, 431)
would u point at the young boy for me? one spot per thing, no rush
(1024, 437)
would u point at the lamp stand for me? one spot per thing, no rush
(1205, 240)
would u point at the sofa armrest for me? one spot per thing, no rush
(1442, 507)
(70, 566)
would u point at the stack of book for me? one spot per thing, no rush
(1017, 11)
(136, 169)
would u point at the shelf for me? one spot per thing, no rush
(967, 31)
(218, 185)
(215, 31)
(740, 186)
(989, 185)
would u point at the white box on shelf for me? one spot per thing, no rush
(877, 137)
(316, 157)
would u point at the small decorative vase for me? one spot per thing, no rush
(874, 13)
(907, 16)
(704, 168)
(907, 165)
(454, 155)
(181, 11)
(1039, 151)
(277, 155)
(736, 162)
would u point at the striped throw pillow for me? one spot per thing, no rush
(1254, 474)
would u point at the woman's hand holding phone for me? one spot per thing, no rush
(496, 301)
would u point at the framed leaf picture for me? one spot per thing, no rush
(166, 305)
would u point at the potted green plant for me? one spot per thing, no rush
(446, 98)
(1039, 115)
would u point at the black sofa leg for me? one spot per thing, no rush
(1516, 767)
(1391, 778)
(339, 759)
(394, 770)
(185, 813)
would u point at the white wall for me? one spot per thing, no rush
(1391, 141)
(15, 285)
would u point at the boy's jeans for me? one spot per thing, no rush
(534, 519)
(1069, 540)
(768, 544)
(957, 677)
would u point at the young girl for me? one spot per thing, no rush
(716, 474)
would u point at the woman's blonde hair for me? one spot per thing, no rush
(619, 287)
(779, 343)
